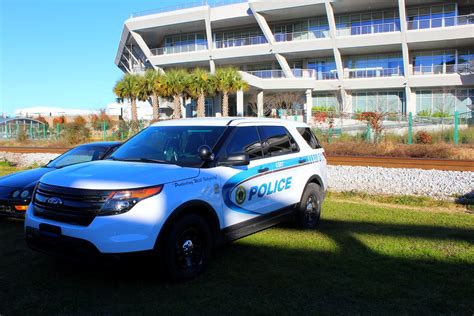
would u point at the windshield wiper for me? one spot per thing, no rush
(139, 160)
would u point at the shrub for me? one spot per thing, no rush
(423, 137)
(75, 133)
(374, 119)
(98, 120)
(22, 135)
(324, 108)
(80, 120)
(41, 119)
(441, 114)
(59, 120)
(424, 113)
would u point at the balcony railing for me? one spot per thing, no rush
(443, 69)
(178, 49)
(187, 5)
(244, 41)
(441, 22)
(373, 72)
(326, 75)
(298, 36)
(368, 29)
(277, 74)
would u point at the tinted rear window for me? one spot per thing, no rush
(309, 137)
(276, 141)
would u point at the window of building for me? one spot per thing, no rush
(367, 66)
(325, 102)
(185, 43)
(434, 62)
(325, 68)
(440, 102)
(379, 101)
(276, 141)
(253, 36)
(301, 30)
(431, 17)
(368, 23)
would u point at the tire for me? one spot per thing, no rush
(308, 212)
(186, 248)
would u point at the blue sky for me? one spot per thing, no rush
(62, 52)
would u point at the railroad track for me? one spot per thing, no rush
(387, 162)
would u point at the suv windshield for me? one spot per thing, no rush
(176, 145)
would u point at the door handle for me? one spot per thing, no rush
(302, 160)
(262, 170)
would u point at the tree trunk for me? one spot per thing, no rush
(134, 110)
(225, 104)
(177, 107)
(156, 106)
(201, 106)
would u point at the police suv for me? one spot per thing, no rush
(179, 188)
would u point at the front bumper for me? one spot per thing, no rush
(130, 232)
(7, 209)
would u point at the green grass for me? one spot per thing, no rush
(363, 258)
(7, 168)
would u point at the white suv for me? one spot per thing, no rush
(179, 188)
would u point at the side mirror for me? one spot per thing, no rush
(205, 153)
(235, 160)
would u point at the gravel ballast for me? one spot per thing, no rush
(398, 181)
(374, 180)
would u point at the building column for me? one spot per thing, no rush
(260, 104)
(347, 103)
(212, 66)
(309, 106)
(410, 97)
(240, 103)
(284, 66)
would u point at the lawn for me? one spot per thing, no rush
(364, 258)
(6, 168)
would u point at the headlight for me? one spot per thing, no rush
(122, 201)
(15, 194)
(24, 194)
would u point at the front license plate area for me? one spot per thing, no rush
(50, 230)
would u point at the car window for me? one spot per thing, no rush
(78, 155)
(309, 137)
(276, 141)
(243, 140)
(169, 144)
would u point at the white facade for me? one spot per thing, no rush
(46, 111)
(327, 51)
(144, 110)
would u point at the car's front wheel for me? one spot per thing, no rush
(309, 209)
(187, 248)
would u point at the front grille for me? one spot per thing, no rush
(68, 205)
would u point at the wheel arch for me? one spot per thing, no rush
(198, 207)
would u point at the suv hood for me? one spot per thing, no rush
(117, 175)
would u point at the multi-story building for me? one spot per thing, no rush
(350, 55)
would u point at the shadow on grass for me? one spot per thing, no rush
(252, 277)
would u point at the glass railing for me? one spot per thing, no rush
(326, 75)
(187, 5)
(245, 41)
(440, 22)
(352, 30)
(298, 36)
(178, 49)
(443, 69)
(276, 74)
(372, 72)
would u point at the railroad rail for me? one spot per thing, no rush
(386, 162)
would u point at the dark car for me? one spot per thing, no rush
(16, 189)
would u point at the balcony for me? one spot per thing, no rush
(178, 49)
(187, 5)
(244, 41)
(353, 30)
(373, 72)
(280, 74)
(463, 69)
(440, 22)
(299, 36)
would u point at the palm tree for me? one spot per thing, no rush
(152, 86)
(201, 84)
(228, 80)
(174, 86)
(129, 88)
